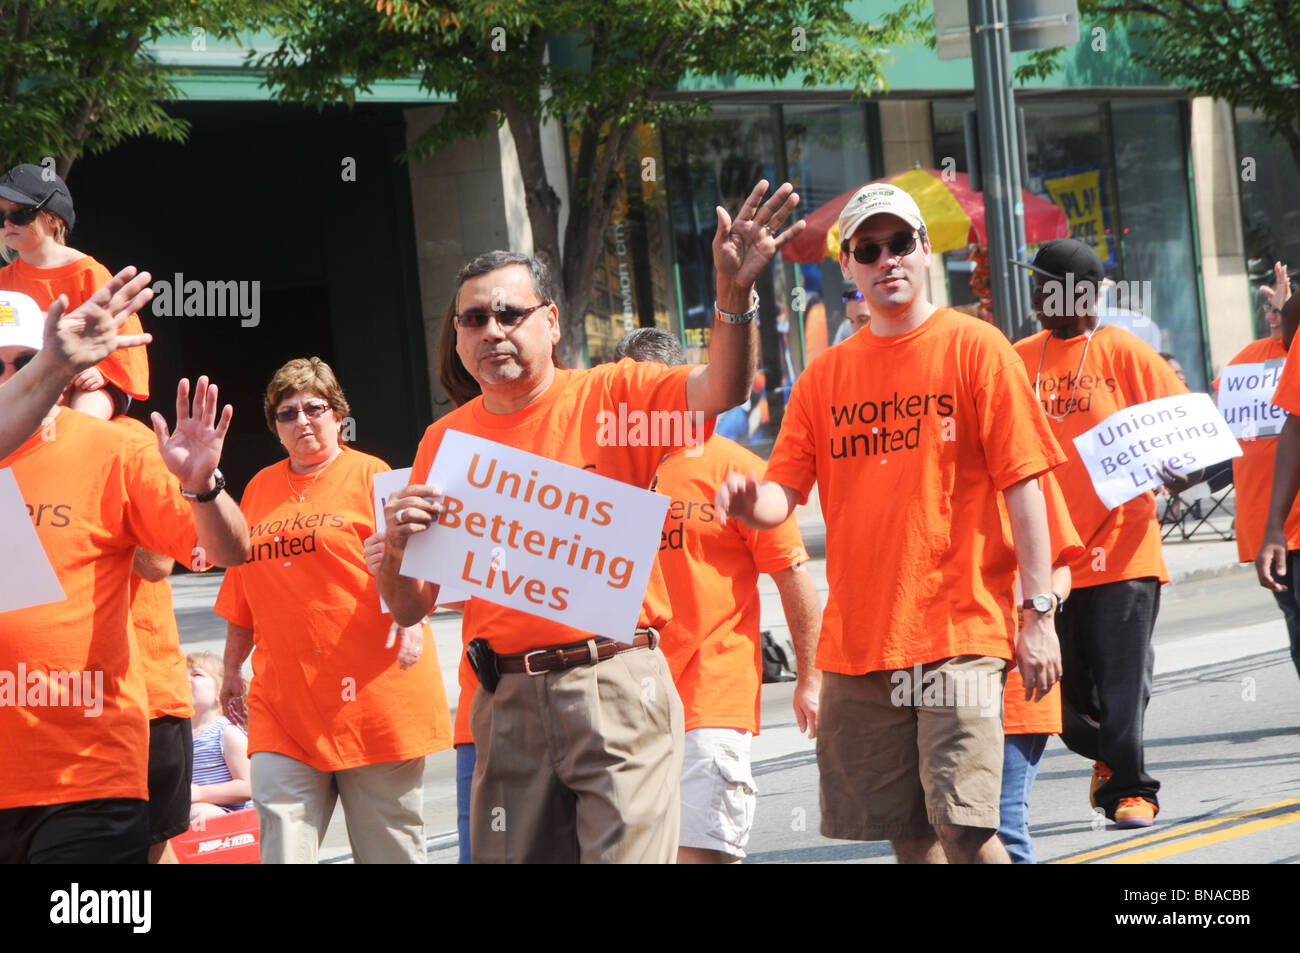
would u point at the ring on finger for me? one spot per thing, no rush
(401, 515)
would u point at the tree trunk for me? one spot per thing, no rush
(584, 237)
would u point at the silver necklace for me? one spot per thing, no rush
(288, 473)
(1087, 342)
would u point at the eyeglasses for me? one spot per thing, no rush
(506, 317)
(856, 293)
(289, 414)
(24, 216)
(18, 363)
(903, 243)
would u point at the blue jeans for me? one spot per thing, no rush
(464, 777)
(1020, 756)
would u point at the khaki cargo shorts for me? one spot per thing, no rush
(900, 751)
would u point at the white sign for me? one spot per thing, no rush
(28, 578)
(536, 535)
(1125, 451)
(1246, 399)
(387, 484)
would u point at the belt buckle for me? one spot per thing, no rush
(528, 669)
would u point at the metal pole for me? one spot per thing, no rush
(1000, 155)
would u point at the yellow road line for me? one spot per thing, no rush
(1205, 840)
(1179, 831)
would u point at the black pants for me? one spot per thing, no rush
(1107, 667)
(1289, 603)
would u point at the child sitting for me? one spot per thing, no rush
(221, 772)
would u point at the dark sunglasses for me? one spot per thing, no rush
(903, 243)
(24, 216)
(856, 293)
(18, 363)
(290, 414)
(507, 317)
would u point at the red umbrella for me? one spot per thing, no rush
(954, 216)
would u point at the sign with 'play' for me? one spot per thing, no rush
(539, 536)
(1246, 399)
(1124, 453)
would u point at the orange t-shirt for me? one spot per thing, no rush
(1020, 717)
(712, 643)
(94, 493)
(127, 368)
(1118, 371)
(1252, 472)
(909, 440)
(564, 424)
(153, 624)
(325, 690)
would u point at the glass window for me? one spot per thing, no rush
(827, 154)
(1155, 249)
(1270, 216)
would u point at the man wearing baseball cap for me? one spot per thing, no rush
(31, 376)
(1082, 374)
(903, 428)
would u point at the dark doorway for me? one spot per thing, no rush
(259, 193)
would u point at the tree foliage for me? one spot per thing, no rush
(512, 61)
(1246, 52)
(77, 78)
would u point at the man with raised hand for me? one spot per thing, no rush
(910, 429)
(572, 766)
(74, 728)
(713, 644)
(69, 342)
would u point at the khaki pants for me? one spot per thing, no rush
(579, 765)
(382, 803)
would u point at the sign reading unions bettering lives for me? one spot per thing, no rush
(539, 536)
(1246, 399)
(1125, 451)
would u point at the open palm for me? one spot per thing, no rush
(742, 249)
(193, 450)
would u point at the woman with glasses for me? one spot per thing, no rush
(342, 705)
(36, 215)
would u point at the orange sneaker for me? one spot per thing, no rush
(1135, 812)
(1100, 775)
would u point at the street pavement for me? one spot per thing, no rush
(1223, 734)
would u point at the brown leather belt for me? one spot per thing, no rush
(560, 657)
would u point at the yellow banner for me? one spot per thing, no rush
(1079, 196)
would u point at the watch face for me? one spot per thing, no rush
(1043, 603)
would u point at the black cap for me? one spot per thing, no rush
(29, 184)
(1056, 259)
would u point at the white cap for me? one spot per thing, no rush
(22, 322)
(878, 198)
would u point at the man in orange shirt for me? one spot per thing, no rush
(1275, 465)
(74, 738)
(1082, 374)
(712, 644)
(570, 768)
(914, 430)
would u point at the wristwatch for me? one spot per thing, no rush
(744, 318)
(209, 496)
(1041, 603)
